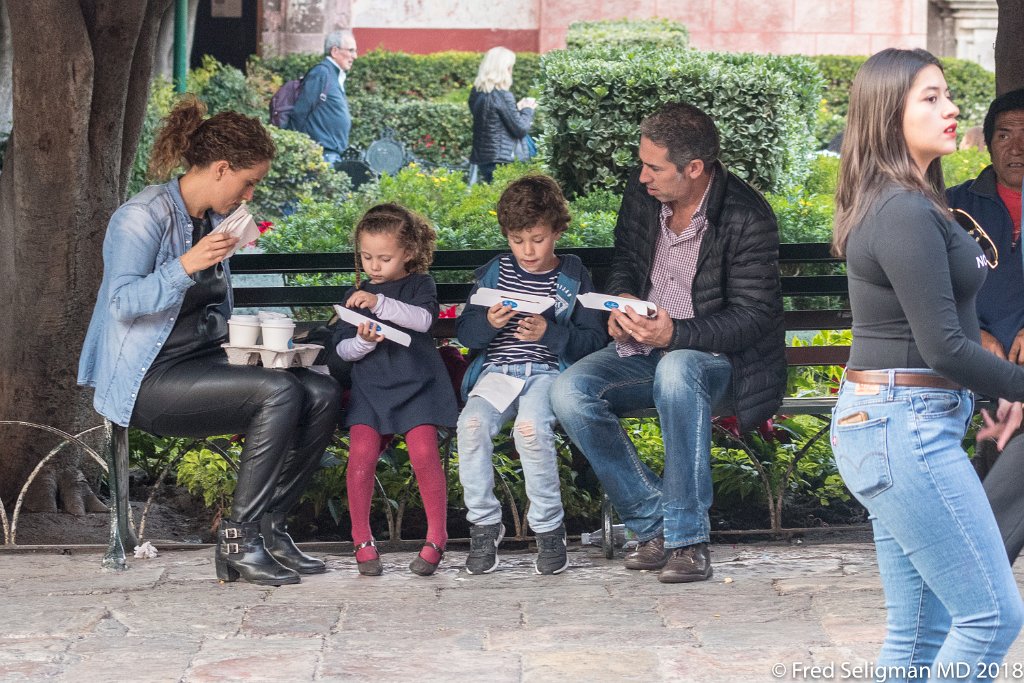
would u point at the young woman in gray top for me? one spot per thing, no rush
(906, 399)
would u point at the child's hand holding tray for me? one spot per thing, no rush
(522, 303)
(353, 318)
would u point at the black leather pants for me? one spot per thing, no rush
(287, 417)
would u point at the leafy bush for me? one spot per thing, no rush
(223, 87)
(298, 171)
(287, 67)
(439, 132)
(316, 226)
(464, 217)
(973, 87)
(595, 99)
(823, 176)
(827, 124)
(803, 218)
(628, 34)
(205, 472)
(963, 165)
(805, 212)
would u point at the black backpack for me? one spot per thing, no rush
(283, 101)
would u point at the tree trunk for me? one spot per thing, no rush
(5, 73)
(77, 118)
(1009, 55)
(164, 60)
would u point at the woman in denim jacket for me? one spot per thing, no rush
(906, 399)
(153, 353)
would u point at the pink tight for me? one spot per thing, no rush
(365, 447)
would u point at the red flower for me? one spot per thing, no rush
(264, 226)
(730, 424)
(448, 312)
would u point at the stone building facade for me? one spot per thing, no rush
(960, 28)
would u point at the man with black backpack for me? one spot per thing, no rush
(321, 108)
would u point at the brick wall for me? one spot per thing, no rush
(775, 26)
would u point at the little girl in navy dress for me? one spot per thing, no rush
(395, 389)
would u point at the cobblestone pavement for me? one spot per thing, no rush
(769, 609)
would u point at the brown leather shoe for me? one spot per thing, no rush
(687, 564)
(648, 555)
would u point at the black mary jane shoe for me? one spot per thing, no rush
(421, 566)
(371, 567)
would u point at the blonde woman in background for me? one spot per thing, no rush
(499, 122)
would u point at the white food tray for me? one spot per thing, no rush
(301, 355)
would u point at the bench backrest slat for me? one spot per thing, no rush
(793, 258)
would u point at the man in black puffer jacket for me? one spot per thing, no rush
(703, 246)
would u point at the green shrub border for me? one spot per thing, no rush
(402, 75)
(973, 86)
(628, 34)
(594, 98)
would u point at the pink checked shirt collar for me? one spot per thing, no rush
(673, 269)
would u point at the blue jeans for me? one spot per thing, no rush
(686, 387)
(331, 157)
(950, 595)
(534, 437)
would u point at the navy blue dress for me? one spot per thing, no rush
(395, 388)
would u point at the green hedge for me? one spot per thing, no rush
(594, 100)
(398, 75)
(805, 211)
(439, 132)
(627, 34)
(973, 87)
(465, 217)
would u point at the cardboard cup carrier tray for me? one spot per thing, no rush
(300, 355)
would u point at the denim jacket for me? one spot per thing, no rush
(142, 290)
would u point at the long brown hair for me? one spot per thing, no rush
(187, 139)
(874, 151)
(412, 231)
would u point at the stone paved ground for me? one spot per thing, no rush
(168, 619)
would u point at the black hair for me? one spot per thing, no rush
(1008, 101)
(685, 130)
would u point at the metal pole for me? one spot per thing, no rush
(180, 44)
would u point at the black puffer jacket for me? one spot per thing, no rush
(497, 126)
(737, 297)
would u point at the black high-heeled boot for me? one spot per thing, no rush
(282, 548)
(241, 554)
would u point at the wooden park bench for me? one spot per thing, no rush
(809, 272)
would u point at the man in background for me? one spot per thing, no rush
(321, 111)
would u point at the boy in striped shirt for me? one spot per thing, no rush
(516, 358)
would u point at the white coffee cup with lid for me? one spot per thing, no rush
(277, 333)
(243, 330)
